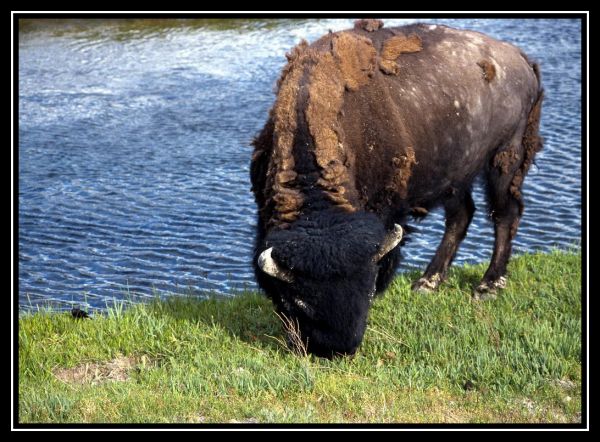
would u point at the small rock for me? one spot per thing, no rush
(565, 383)
(528, 403)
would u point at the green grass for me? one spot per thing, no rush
(185, 360)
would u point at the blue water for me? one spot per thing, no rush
(134, 155)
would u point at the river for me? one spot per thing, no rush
(134, 153)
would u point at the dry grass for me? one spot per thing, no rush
(116, 369)
(292, 329)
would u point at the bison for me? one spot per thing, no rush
(372, 126)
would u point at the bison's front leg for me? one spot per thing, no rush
(459, 209)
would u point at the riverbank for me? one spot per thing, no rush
(433, 358)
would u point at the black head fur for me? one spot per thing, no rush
(331, 258)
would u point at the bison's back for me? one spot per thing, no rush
(438, 112)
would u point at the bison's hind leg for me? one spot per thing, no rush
(504, 181)
(459, 208)
(505, 206)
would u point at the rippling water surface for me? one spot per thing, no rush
(134, 153)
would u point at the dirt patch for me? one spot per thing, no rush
(393, 47)
(94, 373)
(250, 420)
(565, 384)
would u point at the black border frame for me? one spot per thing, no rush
(584, 17)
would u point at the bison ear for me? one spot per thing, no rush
(391, 240)
(268, 265)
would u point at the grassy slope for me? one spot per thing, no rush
(220, 361)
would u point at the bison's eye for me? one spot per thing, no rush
(306, 308)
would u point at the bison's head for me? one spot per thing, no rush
(321, 274)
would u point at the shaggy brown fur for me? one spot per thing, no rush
(348, 65)
(489, 71)
(369, 25)
(505, 159)
(325, 96)
(393, 47)
(402, 166)
(280, 176)
(356, 58)
(292, 58)
(346, 62)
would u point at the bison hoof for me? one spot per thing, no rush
(427, 285)
(488, 289)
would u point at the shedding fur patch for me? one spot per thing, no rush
(356, 57)
(393, 47)
(348, 66)
(489, 71)
(325, 97)
(346, 63)
(369, 24)
(402, 172)
(504, 160)
(280, 176)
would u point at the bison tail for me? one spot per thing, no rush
(538, 75)
(536, 70)
(531, 139)
(532, 143)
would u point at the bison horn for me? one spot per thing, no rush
(268, 265)
(391, 240)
